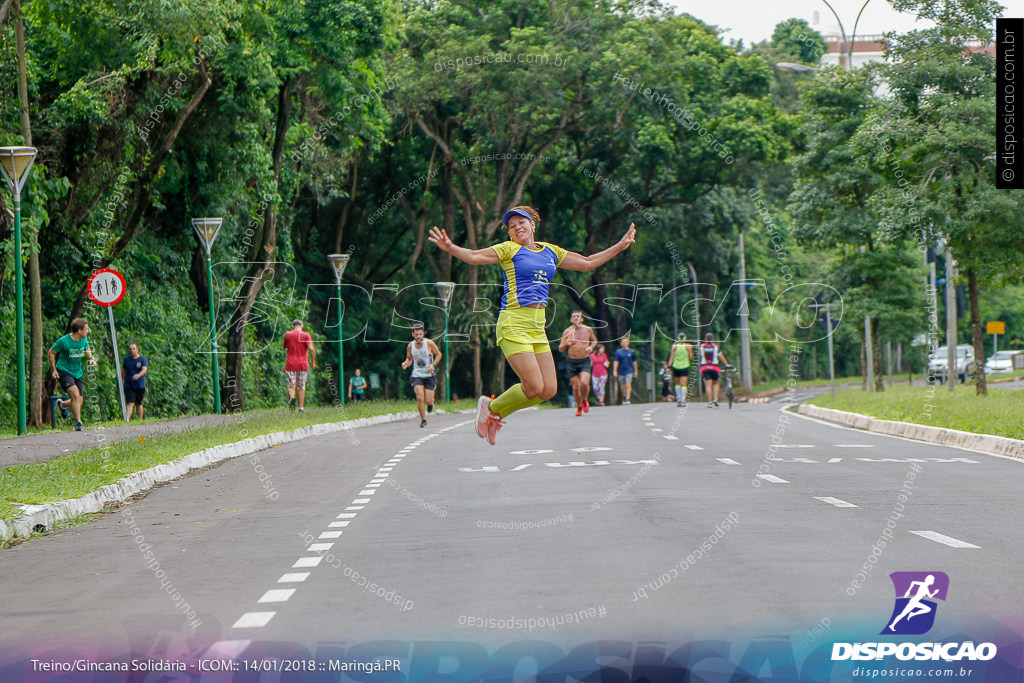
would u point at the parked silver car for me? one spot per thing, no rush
(1000, 361)
(965, 363)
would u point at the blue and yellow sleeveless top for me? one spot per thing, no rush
(527, 272)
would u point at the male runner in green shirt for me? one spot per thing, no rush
(66, 365)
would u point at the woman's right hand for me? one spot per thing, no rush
(439, 237)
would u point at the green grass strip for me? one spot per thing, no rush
(784, 382)
(1000, 413)
(82, 472)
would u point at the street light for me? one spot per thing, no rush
(207, 229)
(444, 290)
(338, 263)
(793, 66)
(696, 325)
(748, 382)
(15, 163)
(853, 36)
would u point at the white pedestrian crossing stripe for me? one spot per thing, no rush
(945, 540)
(835, 501)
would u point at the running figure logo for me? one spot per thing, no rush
(914, 612)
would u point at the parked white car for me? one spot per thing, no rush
(965, 363)
(1000, 361)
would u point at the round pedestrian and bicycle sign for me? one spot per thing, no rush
(107, 287)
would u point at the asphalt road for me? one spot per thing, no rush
(640, 522)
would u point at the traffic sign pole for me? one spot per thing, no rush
(117, 364)
(106, 288)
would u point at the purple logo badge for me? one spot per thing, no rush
(916, 592)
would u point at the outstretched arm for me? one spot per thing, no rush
(476, 257)
(574, 261)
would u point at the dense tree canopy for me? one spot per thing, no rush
(315, 127)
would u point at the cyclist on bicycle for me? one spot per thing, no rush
(711, 358)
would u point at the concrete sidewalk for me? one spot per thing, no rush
(61, 441)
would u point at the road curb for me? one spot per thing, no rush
(34, 516)
(983, 443)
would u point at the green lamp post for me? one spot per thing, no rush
(15, 163)
(444, 290)
(207, 229)
(338, 263)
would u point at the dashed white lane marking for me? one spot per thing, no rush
(795, 445)
(231, 648)
(727, 461)
(531, 452)
(693, 447)
(253, 620)
(671, 437)
(946, 540)
(772, 478)
(277, 595)
(835, 501)
(226, 649)
(657, 429)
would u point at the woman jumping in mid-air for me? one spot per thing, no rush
(528, 267)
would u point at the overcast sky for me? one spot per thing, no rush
(753, 20)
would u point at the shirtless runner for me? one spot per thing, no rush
(580, 341)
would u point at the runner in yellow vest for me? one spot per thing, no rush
(679, 361)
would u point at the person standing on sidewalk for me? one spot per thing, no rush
(298, 346)
(66, 365)
(133, 374)
(356, 386)
(579, 340)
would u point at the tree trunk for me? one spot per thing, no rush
(863, 361)
(35, 355)
(260, 271)
(876, 352)
(978, 339)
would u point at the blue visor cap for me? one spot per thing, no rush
(515, 212)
